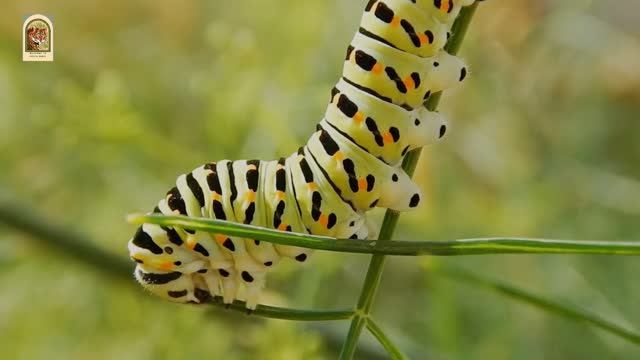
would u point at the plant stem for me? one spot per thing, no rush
(568, 311)
(282, 313)
(402, 248)
(391, 348)
(376, 265)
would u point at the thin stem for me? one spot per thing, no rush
(376, 265)
(386, 342)
(401, 248)
(568, 311)
(281, 313)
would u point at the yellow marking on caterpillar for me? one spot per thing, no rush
(282, 227)
(216, 196)
(312, 186)
(324, 220)
(377, 68)
(280, 195)
(279, 166)
(395, 21)
(251, 196)
(220, 238)
(251, 167)
(387, 138)
(191, 243)
(409, 83)
(362, 184)
(166, 266)
(358, 117)
(338, 155)
(176, 211)
(352, 57)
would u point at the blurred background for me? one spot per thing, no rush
(543, 143)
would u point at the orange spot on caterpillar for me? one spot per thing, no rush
(377, 68)
(280, 195)
(216, 196)
(220, 238)
(395, 21)
(387, 138)
(409, 83)
(282, 227)
(166, 266)
(358, 117)
(312, 186)
(191, 243)
(444, 6)
(251, 196)
(362, 184)
(339, 155)
(324, 220)
(423, 39)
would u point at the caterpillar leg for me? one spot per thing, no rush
(429, 128)
(253, 283)
(400, 193)
(445, 71)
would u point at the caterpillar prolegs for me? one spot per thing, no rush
(350, 164)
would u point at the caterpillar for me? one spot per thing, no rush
(349, 165)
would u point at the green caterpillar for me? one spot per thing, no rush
(348, 166)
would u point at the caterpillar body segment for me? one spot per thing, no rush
(372, 123)
(360, 176)
(349, 165)
(396, 76)
(398, 24)
(322, 209)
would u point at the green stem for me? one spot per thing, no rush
(391, 348)
(376, 265)
(568, 311)
(402, 248)
(281, 313)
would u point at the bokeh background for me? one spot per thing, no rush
(543, 143)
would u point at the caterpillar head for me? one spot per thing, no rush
(446, 71)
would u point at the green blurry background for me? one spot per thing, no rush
(543, 143)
